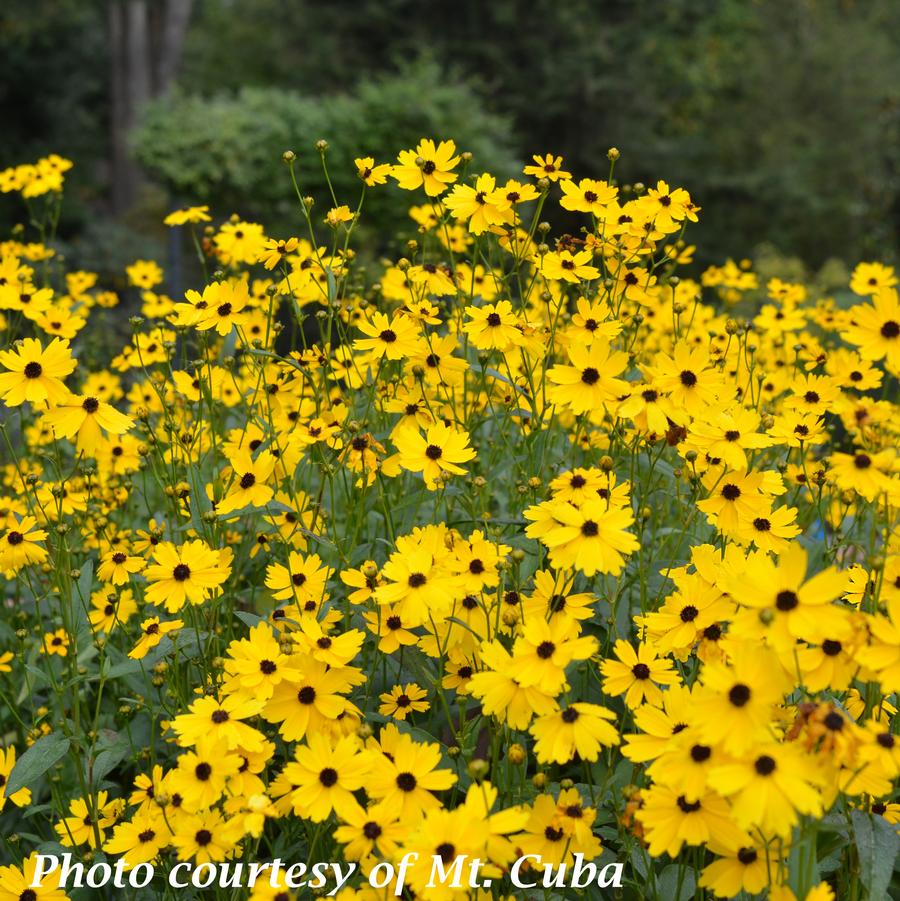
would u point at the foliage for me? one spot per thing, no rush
(221, 148)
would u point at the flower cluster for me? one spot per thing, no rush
(521, 546)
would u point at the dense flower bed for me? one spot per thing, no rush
(515, 545)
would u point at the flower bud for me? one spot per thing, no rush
(515, 754)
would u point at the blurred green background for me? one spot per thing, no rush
(782, 117)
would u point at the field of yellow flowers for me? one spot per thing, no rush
(519, 566)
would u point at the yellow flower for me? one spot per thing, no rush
(36, 373)
(588, 196)
(568, 266)
(370, 173)
(338, 215)
(440, 450)
(481, 206)
(637, 674)
(87, 419)
(402, 700)
(547, 166)
(152, 632)
(186, 574)
(427, 166)
(144, 274)
(191, 214)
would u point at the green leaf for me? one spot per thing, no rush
(36, 761)
(877, 844)
(111, 750)
(249, 619)
(668, 883)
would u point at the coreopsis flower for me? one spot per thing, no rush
(545, 835)
(515, 192)
(593, 538)
(276, 251)
(206, 837)
(589, 382)
(203, 773)
(580, 728)
(249, 486)
(737, 498)
(239, 242)
(494, 326)
(111, 608)
(427, 166)
(255, 665)
(734, 709)
(813, 394)
(670, 821)
(391, 339)
(547, 166)
(481, 206)
(688, 378)
(338, 216)
(144, 274)
(152, 633)
(866, 473)
(591, 321)
(117, 566)
(220, 722)
(388, 625)
(18, 882)
(796, 429)
(59, 322)
(370, 173)
(36, 373)
(502, 695)
(440, 450)
(304, 705)
(405, 780)
(402, 700)
(669, 206)
(303, 580)
(740, 868)
(872, 278)
(545, 649)
(22, 545)
(770, 787)
(88, 820)
(770, 531)
(56, 643)
(325, 774)
(796, 607)
(337, 649)
(875, 328)
(223, 306)
(192, 214)
(727, 435)
(588, 196)
(140, 840)
(185, 574)
(33, 303)
(637, 674)
(367, 830)
(568, 266)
